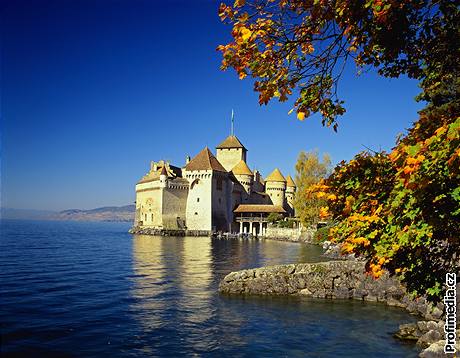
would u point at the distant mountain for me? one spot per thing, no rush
(106, 213)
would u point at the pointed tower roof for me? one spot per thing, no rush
(205, 160)
(276, 176)
(242, 169)
(290, 182)
(164, 171)
(231, 142)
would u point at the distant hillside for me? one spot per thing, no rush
(106, 213)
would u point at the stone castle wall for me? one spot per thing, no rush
(149, 203)
(276, 191)
(199, 200)
(174, 207)
(229, 157)
(221, 202)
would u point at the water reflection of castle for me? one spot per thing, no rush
(172, 277)
(212, 193)
(174, 289)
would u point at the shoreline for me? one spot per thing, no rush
(341, 280)
(305, 238)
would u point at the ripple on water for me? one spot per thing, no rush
(91, 289)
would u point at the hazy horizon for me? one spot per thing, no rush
(93, 91)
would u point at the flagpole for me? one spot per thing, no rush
(232, 130)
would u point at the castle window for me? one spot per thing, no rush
(145, 217)
(195, 182)
(220, 200)
(219, 183)
(152, 217)
(197, 200)
(196, 213)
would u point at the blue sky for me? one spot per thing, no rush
(93, 90)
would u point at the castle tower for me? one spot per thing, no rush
(290, 193)
(230, 152)
(275, 187)
(244, 176)
(208, 204)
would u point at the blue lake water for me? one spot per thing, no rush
(72, 289)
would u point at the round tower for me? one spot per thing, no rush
(290, 193)
(275, 187)
(244, 176)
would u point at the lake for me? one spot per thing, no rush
(79, 289)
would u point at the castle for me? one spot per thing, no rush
(212, 193)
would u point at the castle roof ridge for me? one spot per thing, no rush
(231, 142)
(242, 169)
(276, 176)
(290, 182)
(258, 208)
(205, 160)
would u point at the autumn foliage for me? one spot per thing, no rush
(399, 210)
(310, 169)
(300, 47)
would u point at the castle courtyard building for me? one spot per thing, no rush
(212, 193)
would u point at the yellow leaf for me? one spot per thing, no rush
(245, 33)
(300, 116)
(324, 212)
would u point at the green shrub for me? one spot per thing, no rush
(321, 234)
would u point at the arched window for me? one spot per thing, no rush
(195, 182)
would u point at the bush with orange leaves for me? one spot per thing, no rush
(402, 210)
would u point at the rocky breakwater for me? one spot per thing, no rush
(331, 279)
(343, 280)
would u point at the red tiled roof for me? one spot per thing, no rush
(205, 160)
(231, 142)
(258, 208)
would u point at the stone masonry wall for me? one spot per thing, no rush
(287, 234)
(282, 233)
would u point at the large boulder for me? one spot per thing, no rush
(331, 279)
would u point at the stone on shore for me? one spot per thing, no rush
(345, 280)
(331, 279)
